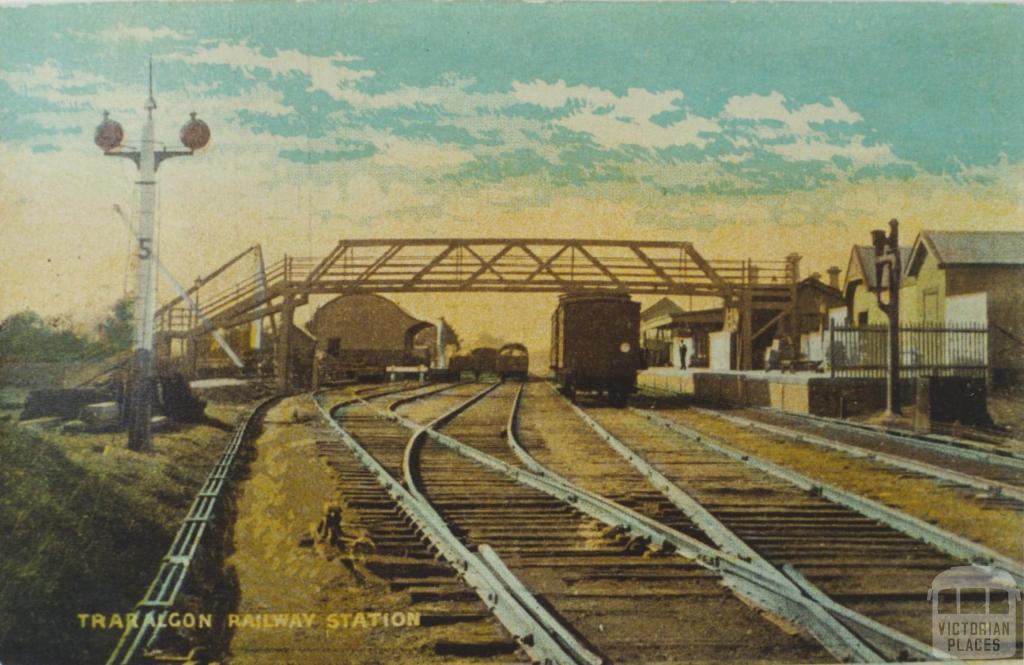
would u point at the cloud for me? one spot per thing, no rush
(418, 154)
(618, 131)
(136, 33)
(636, 103)
(813, 132)
(615, 120)
(807, 149)
(573, 134)
(773, 107)
(51, 82)
(325, 73)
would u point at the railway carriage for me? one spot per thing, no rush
(484, 360)
(595, 344)
(458, 364)
(513, 362)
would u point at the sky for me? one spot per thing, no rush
(753, 130)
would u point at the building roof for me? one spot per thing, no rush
(698, 318)
(663, 307)
(973, 247)
(356, 300)
(814, 282)
(862, 265)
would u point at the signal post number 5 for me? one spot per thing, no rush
(145, 248)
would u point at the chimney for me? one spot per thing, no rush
(833, 277)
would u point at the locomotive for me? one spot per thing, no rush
(595, 344)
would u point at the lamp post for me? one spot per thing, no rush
(889, 264)
(109, 134)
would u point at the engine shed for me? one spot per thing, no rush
(361, 335)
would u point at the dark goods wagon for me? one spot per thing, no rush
(513, 362)
(484, 360)
(595, 344)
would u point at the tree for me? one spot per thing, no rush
(118, 328)
(26, 337)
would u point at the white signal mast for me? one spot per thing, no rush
(109, 135)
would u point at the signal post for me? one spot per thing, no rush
(109, 136)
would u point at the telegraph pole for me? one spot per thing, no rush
(109, 134)
(889, 264)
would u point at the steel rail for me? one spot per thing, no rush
(538, 630)
(764, 589)
(720, 534)
(426, 393)
(894, 643)
(948, 445)
(163, 591)
(994, 487)
(534, 632)
(943, 540)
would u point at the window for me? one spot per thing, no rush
(862, 318)
(334, 346)
(930, 305)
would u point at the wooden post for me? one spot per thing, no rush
(893, 397)
(191, 355)
(793, 261)
(888, 263)
(746, 330)
(283, 364)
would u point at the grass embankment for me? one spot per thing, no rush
(85, 523)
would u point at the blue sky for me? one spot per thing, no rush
(700, 121)
(776, 96)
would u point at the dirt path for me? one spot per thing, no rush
(282, 497)
(329, 613)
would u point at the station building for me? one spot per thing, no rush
(361, 335)
(352, 336)
(952, 279)
(709, 335)
(956, 278)
(861, 304)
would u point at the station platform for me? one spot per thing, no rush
(799, 392)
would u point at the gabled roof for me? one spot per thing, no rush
(969, 248)
(814, 282)
(862, 266)
(663, 307)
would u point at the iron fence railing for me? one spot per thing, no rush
(925, 350)
(163, 591)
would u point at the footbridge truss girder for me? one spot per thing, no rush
(486, 265)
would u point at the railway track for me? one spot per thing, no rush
(619, 599)
(162, 594)
(787, 595)
(1002, 466)
(740, 622)
(1000, 477)
(455, 620)
(854, 560)
(946, 435)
